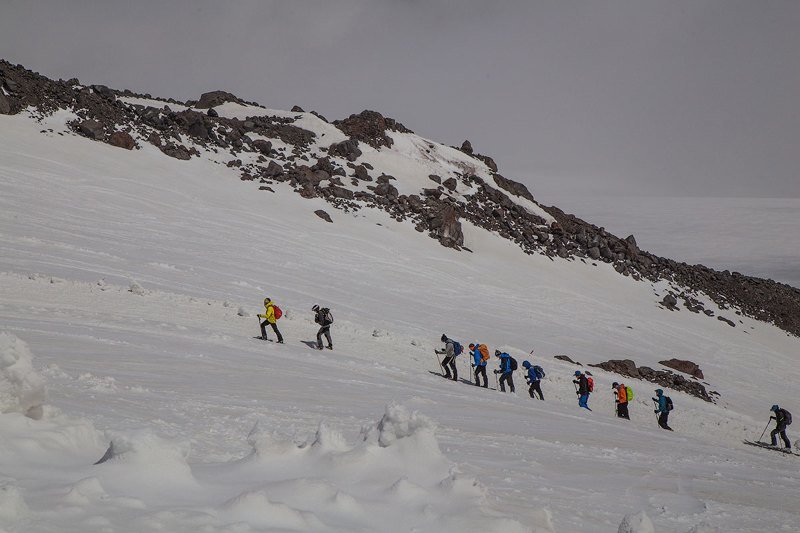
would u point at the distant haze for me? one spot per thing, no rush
(639, 97)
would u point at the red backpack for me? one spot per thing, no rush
(278, 312)
(590, 381)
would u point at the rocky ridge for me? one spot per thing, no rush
(274, 149)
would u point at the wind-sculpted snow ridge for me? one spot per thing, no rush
(22, 389)
(394, 478)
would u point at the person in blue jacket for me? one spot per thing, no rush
(534, 379)
(662, 410)
(505, 371)
(479, 364)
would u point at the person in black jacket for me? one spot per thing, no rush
(582, 389)
(324, 318)
(782, 418)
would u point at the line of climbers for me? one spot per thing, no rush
(273, 313)
(504, 375)
(584, 385)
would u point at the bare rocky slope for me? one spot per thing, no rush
(277, 149)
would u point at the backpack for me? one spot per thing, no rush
(788, 417)
(629, 393)
(513, 363)
(484, 352)
(278, 312)
(457, 348)
(327, 316)
(590, 381)
(538, 371)
(669, 403)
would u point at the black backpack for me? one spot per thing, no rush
(788, 417)
(538, 371)
(669, 403)
(513, 363)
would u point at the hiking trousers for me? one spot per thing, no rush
(506, 378)
(622, 410)
(536, 387)
(274, 328)
(583, 401)
(324, 330)
(480, 370)
(780, 430)
(662, 420)
(448, 364)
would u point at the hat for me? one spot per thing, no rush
(526, 364)
(315, 308)
(659, 391)
(775, 408)
(444, 337)
(615, 385)
(577, 372)
(497, 352)
(267, 300)
(471, 345)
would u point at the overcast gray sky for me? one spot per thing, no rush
(636, 97)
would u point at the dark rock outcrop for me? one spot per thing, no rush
(370, 127)
(663, 378)
(682, 365)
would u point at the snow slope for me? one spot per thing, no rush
(124, 274)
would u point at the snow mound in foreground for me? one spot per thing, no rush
(21, 387)
(147, 464)
(395, 478)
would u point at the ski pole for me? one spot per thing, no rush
(259, 322)
(765, 430)
(496, 381)
(438, 359)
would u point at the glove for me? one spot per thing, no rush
(496, 371)
(656, 411)
(578, 393)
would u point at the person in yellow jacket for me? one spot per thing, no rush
(270, 318)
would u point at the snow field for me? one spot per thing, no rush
(135, 323)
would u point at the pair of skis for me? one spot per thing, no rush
(759, 444)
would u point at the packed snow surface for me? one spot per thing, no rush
(129, 282)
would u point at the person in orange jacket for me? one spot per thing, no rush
(621, 399)
(270, 318)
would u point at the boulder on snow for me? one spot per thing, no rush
(670, 302)
(91, 129)
(122, 139)
(323, 215)
(685, 366)
(215, 98)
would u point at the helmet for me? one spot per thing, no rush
(315, 308)
(526, 364)
(577, 372)
(615, 385)
(266, 301)
(444, 337)
(775, 408)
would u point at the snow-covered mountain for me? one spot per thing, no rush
(132, 269)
